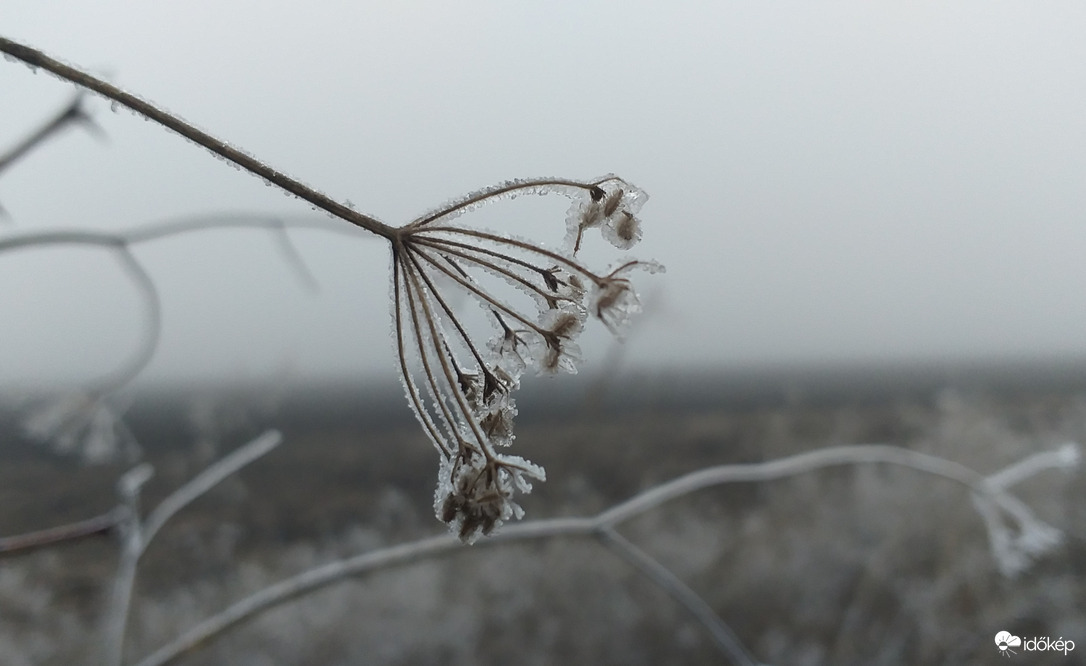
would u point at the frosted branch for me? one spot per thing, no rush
(1066, 456)
(129, 487)
(73, 422)
(37, 59)
(208, 479)
(136, 535)
(96, 526)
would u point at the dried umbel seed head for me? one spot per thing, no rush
(475, 496)
(461, 390)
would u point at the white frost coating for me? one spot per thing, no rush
(502, 191)
(475, 496)
(613, 206)
(566, 322)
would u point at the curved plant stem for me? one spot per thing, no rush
(493, 193)
(206, 480)
(152, 315)
(120, 243)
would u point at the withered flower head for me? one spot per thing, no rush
(537, 300)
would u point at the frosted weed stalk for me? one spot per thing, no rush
(460, 390)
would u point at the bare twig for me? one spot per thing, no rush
(208, 479)
(135, 271)
(132, 546)
(73, 113)
(178, 227)
(1065, 456)
(77, 531)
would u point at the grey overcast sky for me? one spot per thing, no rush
(829, 181)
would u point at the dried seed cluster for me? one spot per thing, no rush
(462, 391)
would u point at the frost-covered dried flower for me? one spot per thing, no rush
(461, 390)
(613, 300)
(475, 495)
(612, 204)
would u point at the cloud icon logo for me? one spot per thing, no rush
(1004, 640)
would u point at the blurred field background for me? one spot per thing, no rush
(845, 183)
(857, 565)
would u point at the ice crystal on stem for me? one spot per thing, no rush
(461, 390)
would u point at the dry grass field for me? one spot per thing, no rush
(853, 565)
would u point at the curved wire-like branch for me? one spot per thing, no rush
(164, 229)
(120, 243)
(832, 456)
(36, 59)
(152, 321)
(604, 522)
(1067, 455)
(137, 274)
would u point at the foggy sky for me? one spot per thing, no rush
(831, 181)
